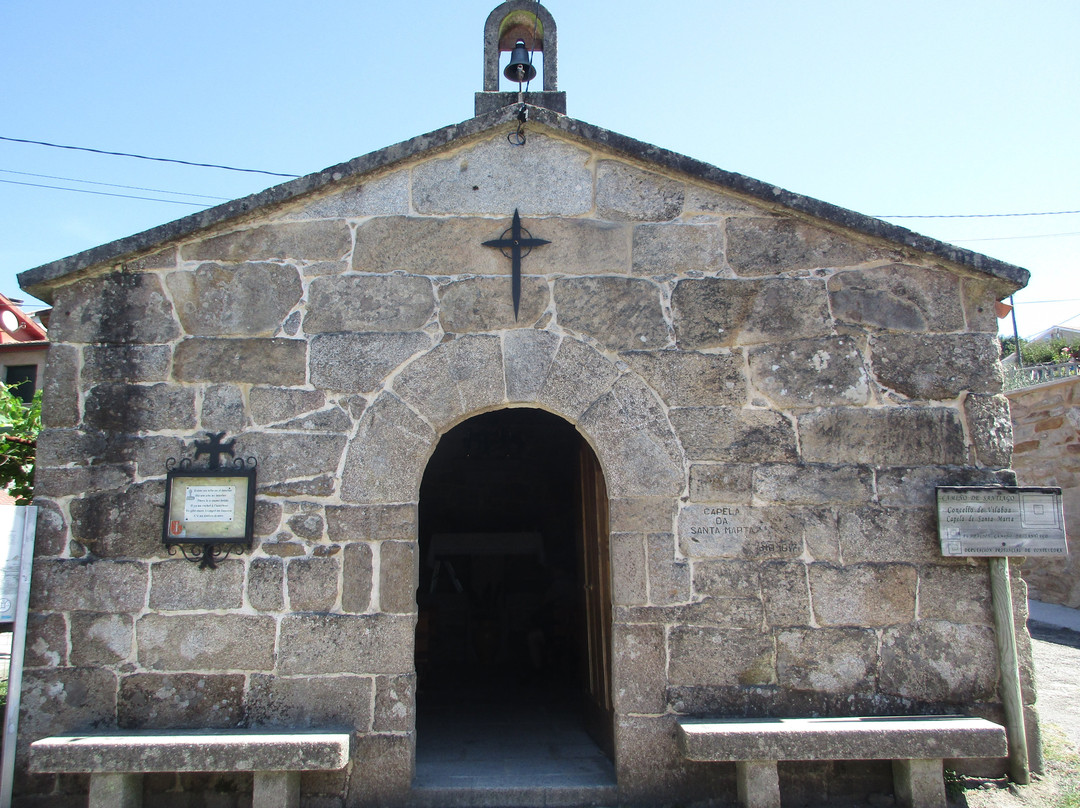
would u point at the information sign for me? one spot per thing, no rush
(209, 506)
(17, 526)
(11, 545)
(1001, 521)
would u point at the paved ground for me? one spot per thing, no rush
(1056, 649)
(1057, 676)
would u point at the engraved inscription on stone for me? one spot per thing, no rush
(733, 531)
(1001, 521)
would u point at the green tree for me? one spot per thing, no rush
(1008, 345)
(19, 427)
(1047, 353)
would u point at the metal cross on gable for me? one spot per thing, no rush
(520, 243)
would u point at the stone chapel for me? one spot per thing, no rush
(548, 425)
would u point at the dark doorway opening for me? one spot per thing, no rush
(506, 652)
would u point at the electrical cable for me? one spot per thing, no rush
(112, 185)
(1063, 300)
(1058, 325)
(144, 157)
(979, 215)
(536, 23)
(104, 193)
(517, 137)
(1013, 238)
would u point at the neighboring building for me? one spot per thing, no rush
(1046, 431)
(24, 345)
(1057, 332)
(1069, 336)
(690, 471)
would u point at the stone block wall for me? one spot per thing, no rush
(772, 402)
(1046, 428)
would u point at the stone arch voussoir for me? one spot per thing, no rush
(615, 410)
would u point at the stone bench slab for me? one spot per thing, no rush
(877, 738)
(915, 745)
(191, 752)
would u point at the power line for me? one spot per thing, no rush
(1033, 302)
(104, 193)
(292, 176)
(144, 157)
(1067, 319)
(979, 215)
(111, 185)
(1014, 238)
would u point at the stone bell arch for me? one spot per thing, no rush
(532, 23)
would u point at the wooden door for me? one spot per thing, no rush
(595, 566)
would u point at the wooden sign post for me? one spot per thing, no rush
(999, 522)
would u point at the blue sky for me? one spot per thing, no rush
(920, 107)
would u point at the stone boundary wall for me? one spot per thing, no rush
(1046, 428)
(772, 403)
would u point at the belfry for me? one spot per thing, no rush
(565, 471)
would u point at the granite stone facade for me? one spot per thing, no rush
(772, 397)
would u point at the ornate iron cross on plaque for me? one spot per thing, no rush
(517, 239)
(214, 448)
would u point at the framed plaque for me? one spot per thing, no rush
(1001, 521)
(204, 506)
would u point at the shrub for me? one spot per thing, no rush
(19, 427)
(1047, 353)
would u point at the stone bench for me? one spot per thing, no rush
(916, 746)
(116, 763)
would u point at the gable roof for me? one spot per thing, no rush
(42, 280)
(1056, 332)
(26, 331)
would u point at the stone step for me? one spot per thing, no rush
(515, 797)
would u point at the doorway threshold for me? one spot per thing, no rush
(561, 797)
(475, 750)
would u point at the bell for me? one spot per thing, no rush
(519, 69)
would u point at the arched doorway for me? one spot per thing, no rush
(513, 636)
